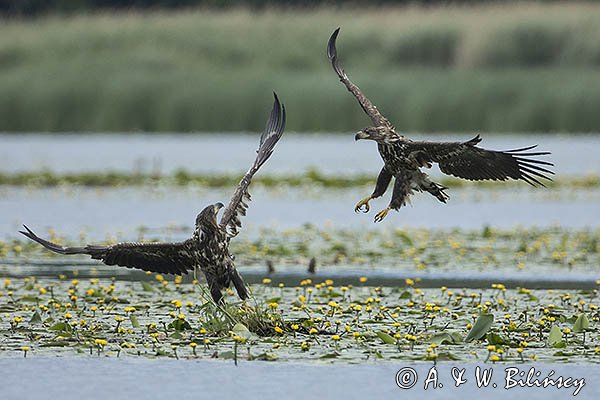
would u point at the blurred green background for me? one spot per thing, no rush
(211, 65)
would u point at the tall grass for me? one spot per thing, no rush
(494, 68)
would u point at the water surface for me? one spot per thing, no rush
(233, 152)
(121, 211)
(114, 379)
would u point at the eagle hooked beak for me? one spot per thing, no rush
(217, 207)
(361, 135)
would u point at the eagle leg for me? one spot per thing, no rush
(383, 181)
(215, 292)
(239, 284)
(402, 190)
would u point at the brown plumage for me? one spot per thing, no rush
(403, 158)
(208, 248)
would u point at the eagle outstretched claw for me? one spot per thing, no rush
(382, 214)
(363, 205)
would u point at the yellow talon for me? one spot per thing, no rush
(363, 203)
(381, 214)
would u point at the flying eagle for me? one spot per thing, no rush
(403, 158)
(208, 248)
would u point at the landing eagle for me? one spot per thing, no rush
(208, 248)
(403, 158)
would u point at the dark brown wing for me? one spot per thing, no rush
(238, 205)
(467, 161)
(365, 103)
(167, 258)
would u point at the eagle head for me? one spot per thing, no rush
(380, 134)
(208, 216)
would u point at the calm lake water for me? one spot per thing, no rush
(329, 153)
(126, 378)
(121, 212)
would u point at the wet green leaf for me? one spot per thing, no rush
(480, 328)
(36, 318)
(273, 300)
(385, 338)
(406, 295)
(242, 331)
(60, 326)
(147, 287)
(493, 338)
(446, 337)
(134, 321)
(180, 325)
(447, 356)
(555, 336)
(581, 323)
(563, 354)
(532, 297)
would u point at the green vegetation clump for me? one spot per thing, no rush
(515, 67)
(310, 177)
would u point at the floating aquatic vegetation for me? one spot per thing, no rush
(520, 249)
(311, 177)
(310, 321)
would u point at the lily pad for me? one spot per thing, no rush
(480, 328)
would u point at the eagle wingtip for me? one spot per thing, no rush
(28, 233)
(473, 142)
(331, 49)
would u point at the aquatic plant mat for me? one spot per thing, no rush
(307, 179)
(51, 305)
(310, 321)
(544, 252)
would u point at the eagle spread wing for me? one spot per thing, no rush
(365, 103)
(238, 205)
(168, 258)
(465, 160)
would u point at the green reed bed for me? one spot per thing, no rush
(313, 321)
(518, 67)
